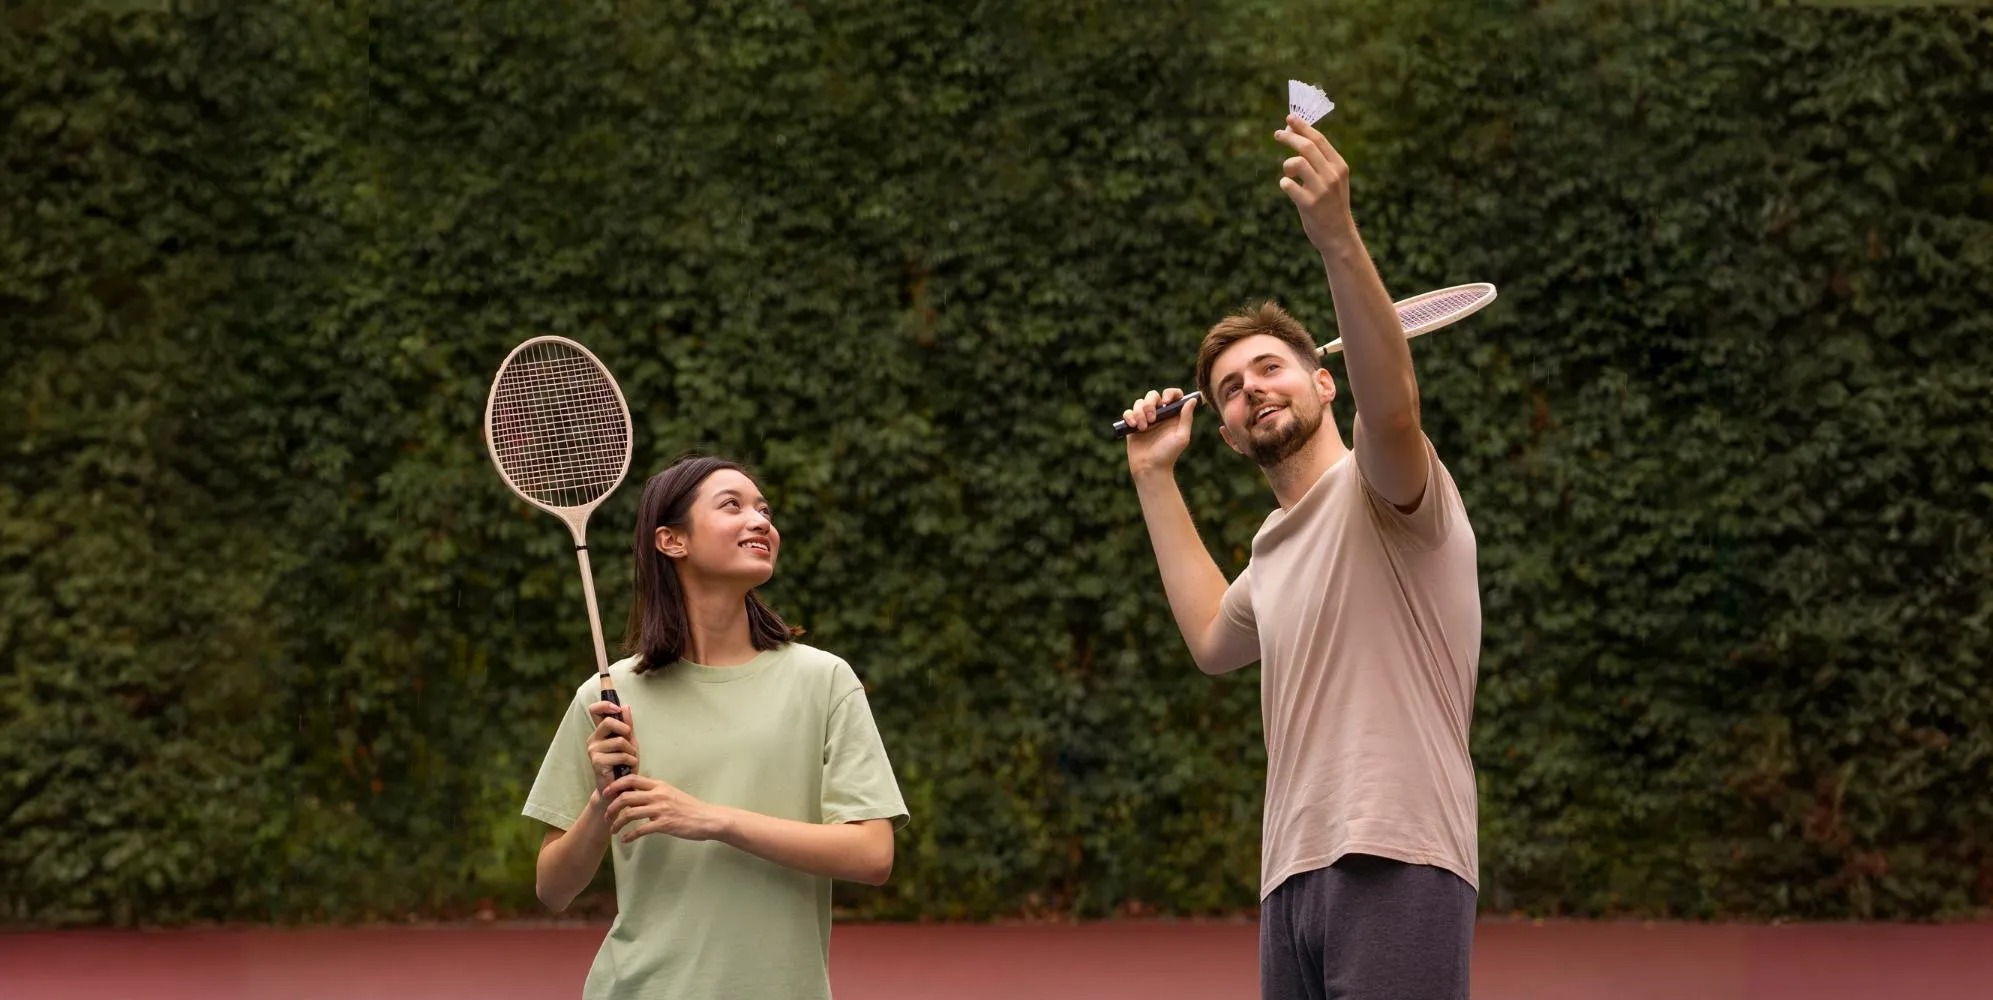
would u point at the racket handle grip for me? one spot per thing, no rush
(609, 695)
(1162, 413)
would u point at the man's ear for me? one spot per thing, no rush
(670, 542)
(1325, 386)
(1226, 433)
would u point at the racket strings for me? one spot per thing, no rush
(1439, 307)
(559, 430)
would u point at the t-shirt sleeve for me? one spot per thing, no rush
(565, 781)
(858, 782)
(1440, 508)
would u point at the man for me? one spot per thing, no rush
(1362, 604)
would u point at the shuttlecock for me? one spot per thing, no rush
(1308, 101)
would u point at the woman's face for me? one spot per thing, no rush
(729, 536)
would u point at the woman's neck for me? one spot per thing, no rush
(717, 616)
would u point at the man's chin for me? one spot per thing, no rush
(1271, 446)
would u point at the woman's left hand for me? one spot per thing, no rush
(640, 806)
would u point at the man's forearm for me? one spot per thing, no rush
(1192, 581)
(566, 865)
(854, 852)
(1381, 378)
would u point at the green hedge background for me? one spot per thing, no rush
(278, 645)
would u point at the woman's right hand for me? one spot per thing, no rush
(612, 743)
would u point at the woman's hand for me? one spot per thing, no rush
(612, 743)
(640, 806)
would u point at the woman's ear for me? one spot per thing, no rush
(671, 543)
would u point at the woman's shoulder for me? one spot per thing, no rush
(803, 656)
(820, 665)
(621, 673)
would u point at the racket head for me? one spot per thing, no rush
(1429, 311)
(557, 427)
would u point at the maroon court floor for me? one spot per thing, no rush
(1105, 961)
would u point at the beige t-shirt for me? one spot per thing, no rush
(787, 734)
(1369, 628)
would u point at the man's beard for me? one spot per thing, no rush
(1270, 449)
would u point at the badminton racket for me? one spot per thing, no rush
(1419, 314)
(559, 432)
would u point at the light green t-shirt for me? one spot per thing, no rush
(787, 734)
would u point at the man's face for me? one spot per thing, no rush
(1270, 403)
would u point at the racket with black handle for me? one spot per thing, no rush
(559, 432)
(1419, 314)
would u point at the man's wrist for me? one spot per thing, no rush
(1340, 243)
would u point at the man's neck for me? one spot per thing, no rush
(1293, 477)
(718, 619)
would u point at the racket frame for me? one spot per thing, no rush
(575, 517)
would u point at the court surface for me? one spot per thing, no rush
(1103, 961)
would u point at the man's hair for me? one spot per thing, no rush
(1267, 318)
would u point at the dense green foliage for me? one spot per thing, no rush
(278, 644)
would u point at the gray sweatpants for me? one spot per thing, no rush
(1367, 927)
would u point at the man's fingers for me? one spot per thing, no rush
(1300, 170)
(1316, 139)
(1142, 414)
(1316, 154)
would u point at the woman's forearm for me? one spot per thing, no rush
(853, 852)
(567, 863)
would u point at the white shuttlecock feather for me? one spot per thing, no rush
(1308, 101)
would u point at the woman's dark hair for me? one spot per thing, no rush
(659, 626)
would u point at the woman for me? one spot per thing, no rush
(757, 775)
